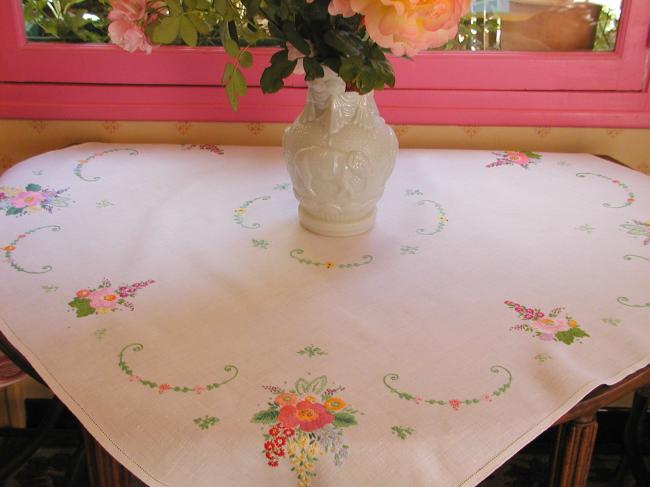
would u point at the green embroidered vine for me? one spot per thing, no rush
(630, 195)
(442, 218)
(83, 162)
(243, 209)
(8, 249)
(454, 403)
(631, 256)
(625, 300)
(295, 253)
(162, 388)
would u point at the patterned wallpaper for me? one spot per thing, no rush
(20, 139)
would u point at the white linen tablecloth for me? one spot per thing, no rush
(169, 297)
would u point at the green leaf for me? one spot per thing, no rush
(271, 81)
(239, 82)
(33, 187)
(175, 8)
(231, 94)
(245, 59)
(199, 24)
(345, 42)
(269, 416)
(231, 47)
(167, 30)
(82, 305)
(188, 31)
(227, 72)
(221, 6)
(14, 211)
(291, 34)
(313, 69)
(344, 420)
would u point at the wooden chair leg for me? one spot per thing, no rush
(632, 461)
(104, 470)
(574, 446)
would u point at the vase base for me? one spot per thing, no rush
(336, 229)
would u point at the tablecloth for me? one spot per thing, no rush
(170, 298)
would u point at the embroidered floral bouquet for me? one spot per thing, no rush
(351, 37)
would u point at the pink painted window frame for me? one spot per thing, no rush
(489, 88)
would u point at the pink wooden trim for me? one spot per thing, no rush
(93, 102)
(63, 63)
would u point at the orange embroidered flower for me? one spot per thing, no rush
(334, 404)
(311, 399)
(286, 399)
(329, 264)
(83, 293)
(9, 248)
(110, 297)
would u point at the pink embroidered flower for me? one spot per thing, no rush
(103, 299)
(548, 325)
(406, 26)
(163, 388)
(517, 157)
(455, 404)
(308, 416)
(84, 293)
(27, 199)
(418, 400)
(199, 389)
(487, 397)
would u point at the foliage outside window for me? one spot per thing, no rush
(85, 21)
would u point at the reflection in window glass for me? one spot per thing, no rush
(539, 25)
(508, 25)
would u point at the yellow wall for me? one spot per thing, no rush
(20, 139)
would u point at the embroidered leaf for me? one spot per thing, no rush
(314, 387)
(14, 211)
(569, 336)
(268, 416)
(82, 306)
(33, 187)
(343, 420)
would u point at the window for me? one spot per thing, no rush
(456, 87)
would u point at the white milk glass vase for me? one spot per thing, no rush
(339, 153)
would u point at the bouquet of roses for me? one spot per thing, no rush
(350, 37)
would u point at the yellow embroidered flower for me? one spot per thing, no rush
(311, 399)
(329, 264)
(334, 404)
(102, 311)
(33, 209)
(303, 441)
(240, 211)
(572, 323)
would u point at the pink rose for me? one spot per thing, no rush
(132, 10)
(518, 158)
(27, 198)
(128, 20)
(129, 36)
(406, 26)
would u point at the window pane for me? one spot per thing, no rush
(508, 25)
(539, 25)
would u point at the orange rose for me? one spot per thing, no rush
(405, 26)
